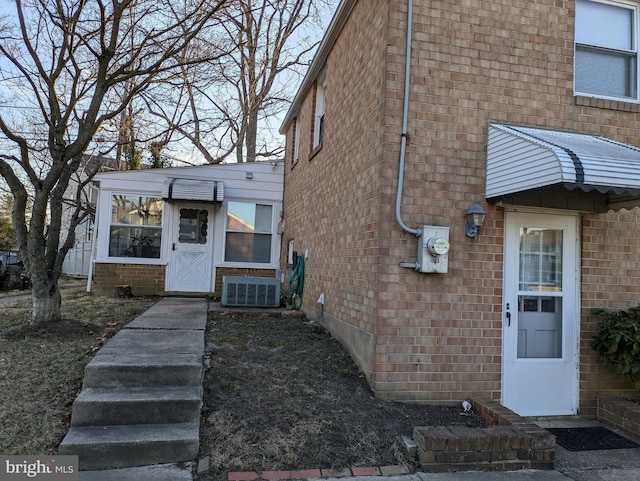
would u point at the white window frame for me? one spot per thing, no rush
(296, 140)
(107, 211)
(318, 122)
(274, 237)
(632, 53)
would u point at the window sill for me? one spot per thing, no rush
(315, 151)
(607, 104)
(130, 260)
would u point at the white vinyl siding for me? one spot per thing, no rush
(606, 49)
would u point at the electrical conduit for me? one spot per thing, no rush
(405, 117)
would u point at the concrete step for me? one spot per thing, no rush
(165, 342)
(137, 405)
(109, 447)
(131, 370)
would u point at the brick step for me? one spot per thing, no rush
(108, 447)
(136, 405)
(146, 370)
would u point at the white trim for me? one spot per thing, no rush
(319, 114)
(571, 330)
(296, 140)
(634, 51)
(275, 238)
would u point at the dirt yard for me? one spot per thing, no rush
(282, 394)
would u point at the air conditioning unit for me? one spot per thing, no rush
(245, 291)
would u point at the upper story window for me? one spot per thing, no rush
(249, 233)
(136, 226)
(606, 57)
(318, 122)
(296, 141)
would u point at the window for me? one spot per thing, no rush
(249, 233)
(136, 226)
(318, 123)
(192, 226)
(296, 141)
(606, 49)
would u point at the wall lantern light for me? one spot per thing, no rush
(475, 217)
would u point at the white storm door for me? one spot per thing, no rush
(540, 315)
(191, 251)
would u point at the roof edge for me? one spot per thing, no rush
(335, 27)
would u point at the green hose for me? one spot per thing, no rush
(296, 282)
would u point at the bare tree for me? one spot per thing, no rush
(73, 66)
(222, 110)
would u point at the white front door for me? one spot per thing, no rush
(191, 253)
(540, 314)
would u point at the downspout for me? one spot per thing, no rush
(405, 117)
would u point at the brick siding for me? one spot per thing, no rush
(621, 414)
(438, 337)
(144, 279)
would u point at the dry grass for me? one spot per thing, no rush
(282, 394)
(41, 367)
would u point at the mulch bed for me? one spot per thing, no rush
(282, 394)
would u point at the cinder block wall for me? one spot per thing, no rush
(145, 280)
(438, 337)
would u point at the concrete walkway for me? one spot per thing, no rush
(138, 414)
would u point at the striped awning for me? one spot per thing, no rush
(547, 168)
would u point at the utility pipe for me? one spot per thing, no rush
(405, 117)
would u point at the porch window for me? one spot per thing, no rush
(606, 56)
(249, 233)
(136, 226)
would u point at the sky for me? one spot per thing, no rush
(187, 151)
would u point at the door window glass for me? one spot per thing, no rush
(192, 228)
(540, 296)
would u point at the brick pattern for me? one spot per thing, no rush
(621, 414)
(144, 279)
(510, 443)
(318, 473)
(438, 337)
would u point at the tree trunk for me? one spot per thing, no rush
(46, 302)
(251, 137)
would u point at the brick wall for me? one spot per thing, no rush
(438, 337)
(611, 279)
(144, 279)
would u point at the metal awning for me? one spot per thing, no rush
(193, 190)
(547, 168)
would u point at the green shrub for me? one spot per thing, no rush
(618, 341)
